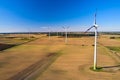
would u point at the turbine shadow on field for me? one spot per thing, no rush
(111, 68)
(6, 46)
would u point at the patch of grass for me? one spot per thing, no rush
(26, 38)
(98, 69)
(114, 48)
(113, 37)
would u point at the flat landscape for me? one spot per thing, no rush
(41, 58)
(59, 39)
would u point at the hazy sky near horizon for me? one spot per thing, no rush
(37, 15)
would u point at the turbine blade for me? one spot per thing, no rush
(68, 27)
(88, 29)
(63, 27)
(98, 33)
(95, 17)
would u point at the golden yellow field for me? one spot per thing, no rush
(72, 63)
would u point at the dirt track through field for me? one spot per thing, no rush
(30, 72)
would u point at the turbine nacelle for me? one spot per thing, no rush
(95, 26)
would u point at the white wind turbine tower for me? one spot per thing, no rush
(49, 32)
(95, 26)
(66, 36)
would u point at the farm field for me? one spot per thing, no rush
(76, 60)
(11, 40)
(44, 59)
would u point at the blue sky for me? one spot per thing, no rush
(37, 15)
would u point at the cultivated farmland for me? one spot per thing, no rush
(42, 58)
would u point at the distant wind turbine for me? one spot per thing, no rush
(95, 26)
(49, 32)
(66, 36)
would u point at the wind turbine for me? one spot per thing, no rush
(49, 32)
(95, 26)
(66, 36)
